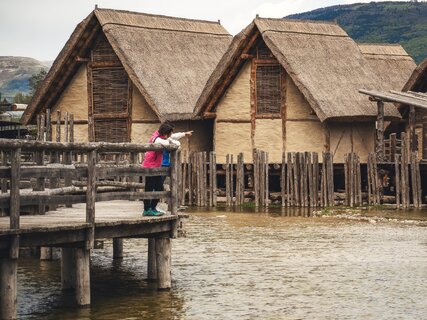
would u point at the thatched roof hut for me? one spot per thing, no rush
(167, 59)
(326, 65)
(310, 72)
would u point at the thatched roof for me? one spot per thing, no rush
(168, 59)
(326, 65)
(418, 80)
(390, 62)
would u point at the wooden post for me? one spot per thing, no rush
(68, 269)
(316, 178)
(397, 178)
(82, 272)
(174, 182)
(8, 288)
(227, 180)
(393, 143)
(214, 184)
(15, 174)
(266, 180)
(184, 178)
(412, 138)
(151, 259)
(346, 180)
(379, 146)
(117, 248)
(91, 197)
(163, 263)
(358, 181)
(256, 177)
(289, 181)
(3, 182)
(283, 180)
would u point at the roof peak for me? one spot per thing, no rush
(155, 15)
(298, 20)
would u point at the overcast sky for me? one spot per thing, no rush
(40, 28)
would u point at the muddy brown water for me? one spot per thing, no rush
(249, 265)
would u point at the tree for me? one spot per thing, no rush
(36, 80)
(21, 98)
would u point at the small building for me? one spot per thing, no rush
(417, 83)
(121, 73)
(292, 86)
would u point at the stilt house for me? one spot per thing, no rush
(292, 85)
(121, 73)
(417, 83)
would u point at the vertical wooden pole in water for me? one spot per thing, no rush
(266, 182)
(316, 178)
(117, 248)
(9, 265)
(174, 181)
(82, 272)
(68, 269)
(256, 177)
(151, 258)
(163, 263)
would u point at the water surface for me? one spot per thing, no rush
(248, 265)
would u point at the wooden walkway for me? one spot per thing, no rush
(73, 204)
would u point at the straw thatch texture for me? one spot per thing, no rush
(418, 80)
(391, 63)
(327, 68)
(326, 65)
(168, 59)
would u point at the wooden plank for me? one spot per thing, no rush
(266, 173)
(214, 175)
(393, 143)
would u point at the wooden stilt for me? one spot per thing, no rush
(117, 248)
(82, 263)
(68, 269)
(8, 288)
(397, 179)
(163, 263)
(151, 264)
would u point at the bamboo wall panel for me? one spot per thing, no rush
(302, 136)
(140, 108)
(74, 97)
(297, 106)
(268, 93)
(233, 138)
(268, 137)
(110, 91)
(235, 104)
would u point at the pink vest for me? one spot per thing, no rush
(153, 159)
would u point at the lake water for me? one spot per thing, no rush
(249, 265)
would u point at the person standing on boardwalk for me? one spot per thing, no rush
(154, 159)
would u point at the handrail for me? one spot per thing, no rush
(15, 171)
(33, 145)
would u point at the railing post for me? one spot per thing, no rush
(9, 266)
(91, 196)
(174, 181)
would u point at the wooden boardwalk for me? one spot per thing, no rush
(73, 203)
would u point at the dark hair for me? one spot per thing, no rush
(166, 128)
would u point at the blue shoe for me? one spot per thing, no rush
(156, 213)
(147, 212)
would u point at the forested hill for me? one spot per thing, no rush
(380, 22)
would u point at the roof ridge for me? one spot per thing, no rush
(301, 20)
(165, 29)
(158, 15)
(309, 33)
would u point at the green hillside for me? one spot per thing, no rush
(14, 74)
(380, 22)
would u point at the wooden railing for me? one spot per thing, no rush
(70, 179)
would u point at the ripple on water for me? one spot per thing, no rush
(252, 266)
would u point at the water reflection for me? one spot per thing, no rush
(252, 265)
